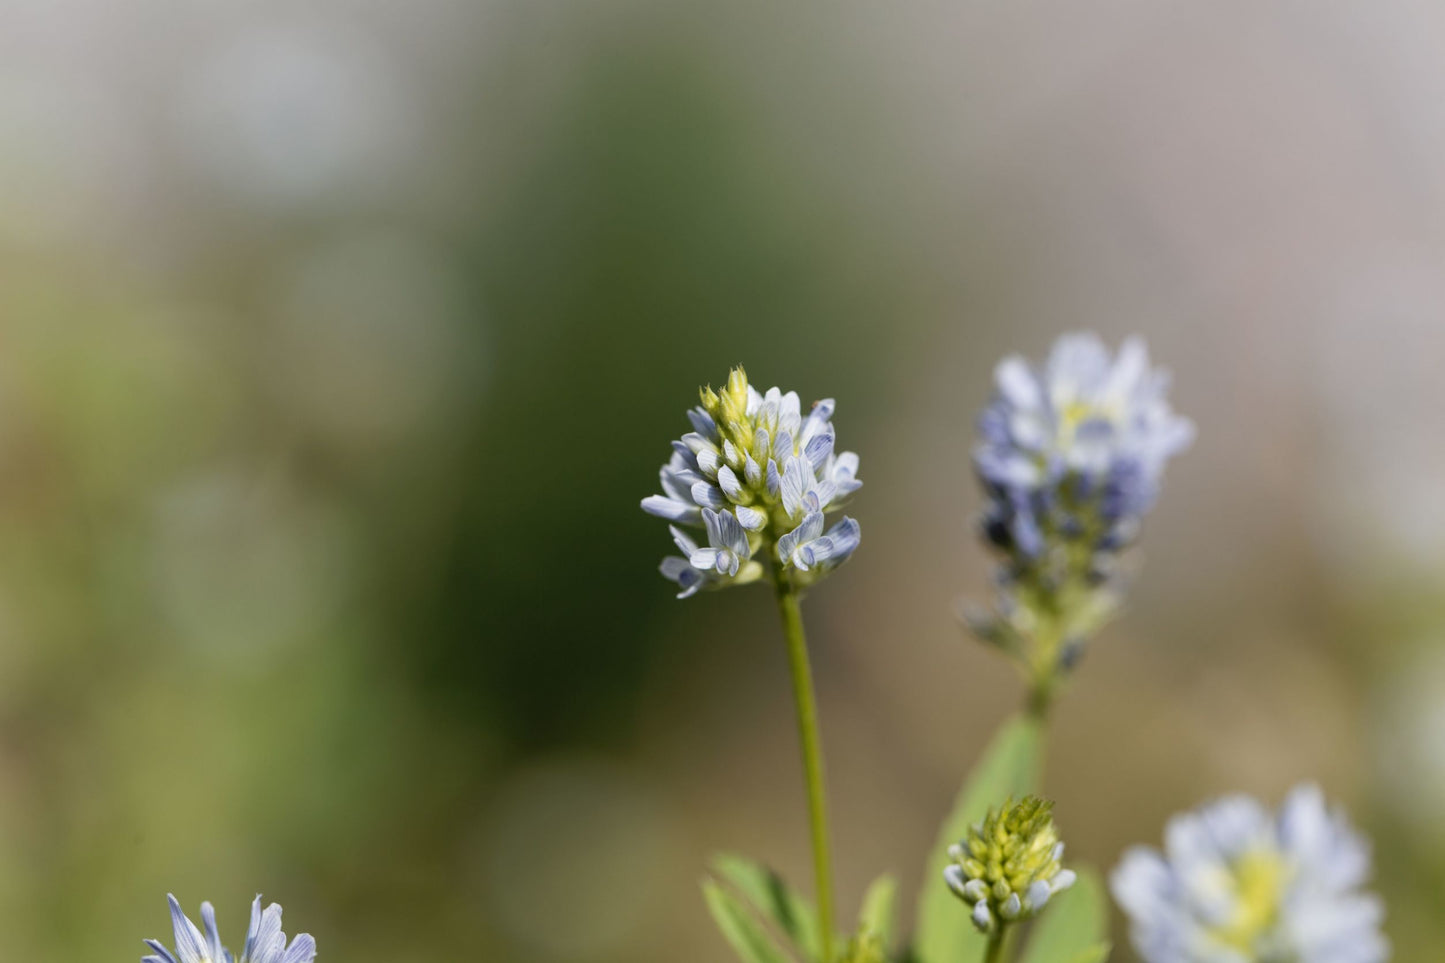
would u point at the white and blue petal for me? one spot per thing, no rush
(818, 448)
(301, 950)
(213, 936)
(696, 443)
(752, 472)
(702, 423)
(161, 953)
(774, 479)
(190, 945)
(750, 518)
(671, 509)
(791, 545)
(731, 485)
(270, 941)
(796, 482)
(833, 547)
(708, 495)
(265, 942)
(732, 535)
(680, 570)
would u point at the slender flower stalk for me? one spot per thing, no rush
(993, 952)
(759, 478)
(811, 743)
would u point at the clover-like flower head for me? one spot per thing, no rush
(1238, 884)
(754, 472)
(1008, 867)
(1073, 452)
(265, 943)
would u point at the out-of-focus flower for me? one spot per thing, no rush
(1074, 452)
(1236, 884)
(1008, 867)
(265, 943)
(755, 473)
(1071, 460)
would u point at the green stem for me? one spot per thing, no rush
(994, 951)
(1040, 700)
(812, 747)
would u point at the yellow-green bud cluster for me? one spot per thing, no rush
(729, 409)
(1008, 867)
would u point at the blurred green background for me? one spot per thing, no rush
(339, 341)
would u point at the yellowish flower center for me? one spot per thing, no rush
(1075, 413)
(1259, 881)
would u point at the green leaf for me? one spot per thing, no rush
(877, 913)
(1094, 954)
(743, 931)
(774, 900)
(1009, 767)
(1073, 927)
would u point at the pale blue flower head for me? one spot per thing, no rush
(1238, 884)
(1071, 458)
(265, 943)
(1073, 451)
(758, 478)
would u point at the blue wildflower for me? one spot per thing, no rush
(1236, 884)
(265, 943)
(1073, 453)
(759, 477)
(1071, 459)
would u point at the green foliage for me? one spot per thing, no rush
(764, 919)
(1098, 953)
(1073, 927)
(773, 900)
(1009, 767)
(879, 909)
(742, 929)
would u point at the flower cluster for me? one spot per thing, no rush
(1071, 459)
(755, 473)
(1008, 867)
(1236, 883)
(265, 943)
